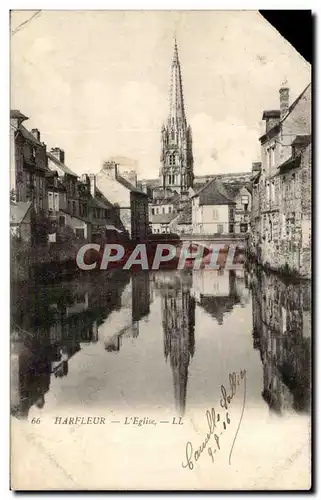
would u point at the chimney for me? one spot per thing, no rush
(284, 100)
(144, 187)
(111, 169)
(35, 132)
(92, 178)
(130, 176)
(256, 166)
(58, 153)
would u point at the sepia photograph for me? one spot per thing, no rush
(160, 252)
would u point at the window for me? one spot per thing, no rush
(56, 202)
(153, 211)
(231, 228)
(172, 159)
(62, 220)
(220, 228)
(163, 210)
(231, 212)
(169, 210)
(215, 214)
(74, 208)
(245, 200)
(80, 232)
(172, 135)
(157, 210)
(50, 201)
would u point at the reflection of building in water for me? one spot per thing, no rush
(140, 295)
(124, 322)
(51, 324)
(30, 377)
(282, 333)
(178, 319)
(217, 291)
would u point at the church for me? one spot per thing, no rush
(171, 195)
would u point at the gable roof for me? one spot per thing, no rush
(129, 185)
(18, 211)
(16, 114)
(302, 140)
(274, 130)
(295, 102)
(100, 201)
(214, 193)
(61, 165)
(29, 136)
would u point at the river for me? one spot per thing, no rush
(161, 345)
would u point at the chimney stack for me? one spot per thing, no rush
(35, 132)
(284, 100)
(111, 169)
(256, 166)
(144, 187)
(58, 153)
(92, 178)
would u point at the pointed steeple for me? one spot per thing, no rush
(176, 170)
(176, 117)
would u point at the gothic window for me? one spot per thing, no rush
(172, 135)
(172, 159)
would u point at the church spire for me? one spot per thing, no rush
(176, 115)
(176, 170)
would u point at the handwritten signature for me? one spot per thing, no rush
(215, 422)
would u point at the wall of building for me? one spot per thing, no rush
(139, 216)
(76, 223)
(281, 215)
(209, 219)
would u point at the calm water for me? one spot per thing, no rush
(159, 341)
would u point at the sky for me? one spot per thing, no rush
(96, 83)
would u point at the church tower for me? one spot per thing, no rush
(176, 172)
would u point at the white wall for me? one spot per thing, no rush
(206, 218)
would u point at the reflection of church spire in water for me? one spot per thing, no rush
(178, 309)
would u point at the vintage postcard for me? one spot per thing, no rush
(160, 228)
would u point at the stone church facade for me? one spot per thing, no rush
(176, 172)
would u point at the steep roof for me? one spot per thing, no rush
(29, 136)
(129, 185)
(274, 130)
(214, 193)
(16, 114)
(295, 102)
(61, 165)
(18, 211)
(302, 140)
(100, 201)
